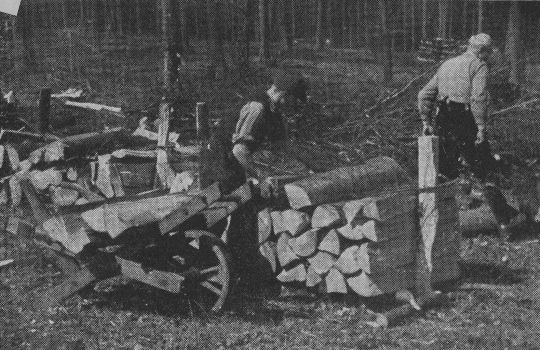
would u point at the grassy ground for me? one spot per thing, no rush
(124, 315)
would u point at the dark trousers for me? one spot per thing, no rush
(457, 131)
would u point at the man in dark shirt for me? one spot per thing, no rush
(261, 120)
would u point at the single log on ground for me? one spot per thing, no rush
(312, 277)
(335, 282)
(322, 262)
(330, 243)
(264, 225)
(375, 176)
(476, 220)
(295, 221)
(285, 253)
(348, 262)
(327, 215)
(305, 244)
(294, 274)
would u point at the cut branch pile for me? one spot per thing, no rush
(354, 234)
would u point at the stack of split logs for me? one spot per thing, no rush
(356, 230)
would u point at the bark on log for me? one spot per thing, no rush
(477, 220)
(375, 176)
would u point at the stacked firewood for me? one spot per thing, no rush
(368, 246)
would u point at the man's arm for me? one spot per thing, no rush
(427, 97)
(479, 95)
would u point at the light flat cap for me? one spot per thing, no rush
(480, 41)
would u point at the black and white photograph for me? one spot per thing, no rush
(269, 174)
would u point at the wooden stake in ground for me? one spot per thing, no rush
(428, 170)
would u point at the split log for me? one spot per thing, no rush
(312, 277)
(375, 176)
(269, 251)
(103, 179)
(94, 106)
(352, 232)
(330, 243)
(476, 220)
(164, 173)
(182, 182)
(264, 225)
(71, 174)
(327, 215)
(278, 224)
(295, 274)
(41, 180)
(285, 253)
(63, 197)
(277, 184)
(348, 262)
(385, 256)
(335, 282)
(305, 244)
(322, 262)
(295, 221)
(353, 210)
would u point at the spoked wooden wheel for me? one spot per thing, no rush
(208, 274)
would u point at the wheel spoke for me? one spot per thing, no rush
(209, 270)
(215, 279)
(211, 287)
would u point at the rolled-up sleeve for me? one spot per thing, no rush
(250, 117)
(427, 97)
(479, 95)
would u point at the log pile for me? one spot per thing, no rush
(366, 244)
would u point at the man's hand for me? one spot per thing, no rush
(427, 128)
(480, 135)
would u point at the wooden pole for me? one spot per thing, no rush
(480, 16)
(44, 109)
(428, 169)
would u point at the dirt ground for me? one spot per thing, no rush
(126, 315)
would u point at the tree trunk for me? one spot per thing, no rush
(424, 19)
(443, 15)
(119, 18)
(264, 50)
(283, 25)
(320, 24)
(138, 21)
(387, 43)
(514, 45)
(480, 16)
(217, 33)
(413, 25)
(250, 12)
(293, 19)
(167, 47)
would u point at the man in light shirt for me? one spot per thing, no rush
(459, 91)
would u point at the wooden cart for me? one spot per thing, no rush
(179, 251)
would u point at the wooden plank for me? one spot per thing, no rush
(206, 197)
(375, 176)
(168, 281)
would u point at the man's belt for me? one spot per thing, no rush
(454, 106)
